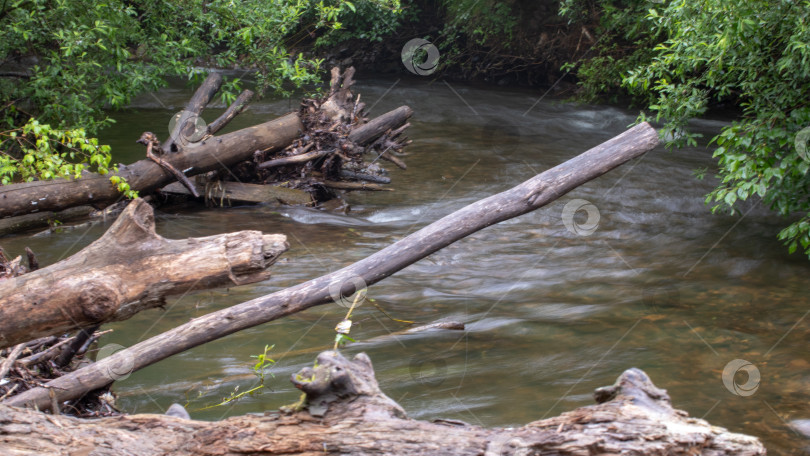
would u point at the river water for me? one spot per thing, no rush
(661, 284)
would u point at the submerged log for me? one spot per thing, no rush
(345, 412)
(223, 193)
(523, 198)
(43, 219)
(146, 175)
(127, 270)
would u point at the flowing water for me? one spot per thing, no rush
(661, 284)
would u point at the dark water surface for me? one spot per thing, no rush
(661, 284)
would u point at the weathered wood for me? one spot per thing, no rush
(356, 186)
(186, 125)
(525, 197)
(294, 159)
(127, 270)
(345, 412)
(366, 133)
(145, 175)
(244, 193)
(347, 174)
(233, 110)
(43, 219)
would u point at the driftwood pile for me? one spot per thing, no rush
(131, 268)
(307, 157)
(339, 149)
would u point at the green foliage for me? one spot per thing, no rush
(49, 153)
(263, 362)
(366, 20)
(755, 54)
(73, 60)
(625, 41)
(482, 21)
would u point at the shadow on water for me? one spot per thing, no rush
(661, 284)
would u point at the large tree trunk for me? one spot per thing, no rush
(127, 270)
(146, 175)
(526, 197)
(346, 413)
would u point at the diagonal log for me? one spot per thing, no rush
(186, 122)
(233, 110)
(525, 197)
(129, 269)
(345, 412)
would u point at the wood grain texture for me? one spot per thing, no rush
(129, 269)
(345, 413)
(525, 197)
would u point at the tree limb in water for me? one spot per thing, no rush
(523, 198)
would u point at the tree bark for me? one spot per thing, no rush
(145, 175)
(376, 127)
(186, 123)
(346, 413)
(233, 110)
(526, 197)
(127, 270)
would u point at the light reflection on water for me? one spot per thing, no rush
(662, 284)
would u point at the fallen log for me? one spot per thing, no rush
(525, 197)
(356, 186)
(186, 126)
(345, 412)
(43, 219)
(146, 175)
(127, 270)
(222, 192)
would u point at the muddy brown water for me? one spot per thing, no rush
(660, 284)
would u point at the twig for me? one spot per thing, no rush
(33, 264)
(6, 366)
(171, 169)
(44, 355)
(10, 392)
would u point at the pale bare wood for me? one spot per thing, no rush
(345, 412)
(129, 269)
(525, 197)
